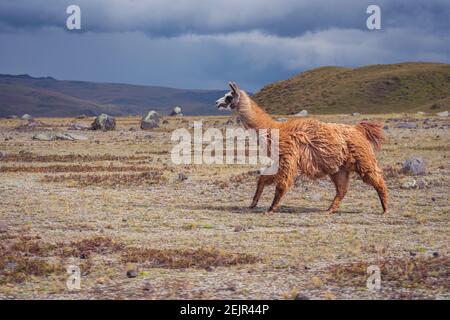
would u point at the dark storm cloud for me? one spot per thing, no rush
(187, 43)
(173, 18)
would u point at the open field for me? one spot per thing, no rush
(115, 203)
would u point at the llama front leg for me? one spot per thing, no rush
(284, 180)
(262, 182)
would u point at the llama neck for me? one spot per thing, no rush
(252, 116)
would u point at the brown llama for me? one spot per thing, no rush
(314, 149)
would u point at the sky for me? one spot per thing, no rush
(204, 44)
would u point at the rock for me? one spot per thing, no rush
(12, 116)
(182, 177)
(79, 126)
(26, 116)
(3, 227)
(386, 127)
(281, 119)
(147, 286)
(414, 166)
(150, 121)
(410, 184)
(421, 183)
(302, 113)
(420, 113)
(2, 154)
(239, 228)
(104, 122)
(148, 137)
(355, 114)
(442, 114)
(165, 121)
(132, 273)
(435, 254)
(51, 136)
(406, 125)
(29, 126)
(300, 296)
(45, 136)
(176, 112)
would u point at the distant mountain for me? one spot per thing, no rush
(47, 96)
(404, 87)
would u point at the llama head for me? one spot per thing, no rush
(230, 100)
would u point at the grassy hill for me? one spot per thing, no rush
(405, 87)
(49, 97)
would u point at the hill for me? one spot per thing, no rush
(50, 97)
(404, 87)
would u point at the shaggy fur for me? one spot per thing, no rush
(316, 149)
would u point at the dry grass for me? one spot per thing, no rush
(88, 204)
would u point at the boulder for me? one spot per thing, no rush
(104, 122)
(26, 116)
(442, 114)
(150, 121)
(12, 116)
(414, 166)
(176, 112)
(302, 113)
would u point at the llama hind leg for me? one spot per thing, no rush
(376, 180)
(262, 182)
(340, 180)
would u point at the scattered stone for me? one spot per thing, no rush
(420, 113)
(3, 227)
(406, 125)
(414, 166)
(300, 296)
(150, 121)
(51, 136)
(433, 199)
(442, 114)
(104, 122)
(82, 116)
(165, 121)
(229, 122)
(29, 126)
(411, 184)
(386, 127)
(132, 273)
(26, 116)
(182, 176)
(176, 112)
(421, 183)
(412, 254)
(355, 114)
(239, 228)
(12, 116)
(147, 286)
(148, 137)
(302, 113)
(79, 126)
(209, 269)
(281, 119)
(436, 254)
(2, 154)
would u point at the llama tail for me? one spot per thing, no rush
(373, 131)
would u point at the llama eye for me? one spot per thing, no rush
(228, 99)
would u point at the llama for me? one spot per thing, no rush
(314, 149)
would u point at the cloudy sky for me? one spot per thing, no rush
(205, 43)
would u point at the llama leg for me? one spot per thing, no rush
(262, 182)
(340, 180)
(376, 180)
(284, 180)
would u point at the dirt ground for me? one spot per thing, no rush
(141, 227)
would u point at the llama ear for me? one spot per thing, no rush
(234, 88)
